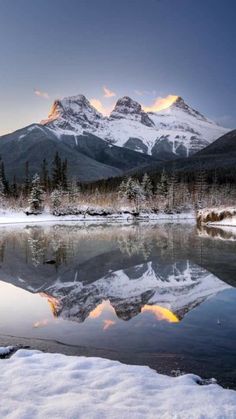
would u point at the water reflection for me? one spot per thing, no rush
(138, 288)
(136, 268)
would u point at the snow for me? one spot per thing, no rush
(8, 216)
(218, 216)
(6, 351)
(180, 126)
(40, 385)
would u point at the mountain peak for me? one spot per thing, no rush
(181, 104)
(130, 109)
(72, 112)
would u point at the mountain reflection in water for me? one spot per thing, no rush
(135, 288)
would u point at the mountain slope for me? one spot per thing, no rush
(223, 146)
(217, 159)
(89, 158)
(178, 131)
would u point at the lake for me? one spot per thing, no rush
(159, 295)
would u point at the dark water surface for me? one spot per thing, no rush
(160, 295)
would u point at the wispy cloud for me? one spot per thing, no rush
(104, 110)
(108, 93)
(42, 94)
(160, 103)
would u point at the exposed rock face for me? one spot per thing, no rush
(73, 113)
(181, 104)
(128, 108)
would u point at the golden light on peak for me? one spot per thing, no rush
(161, 313)
(161, 103)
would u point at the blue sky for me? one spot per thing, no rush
(144, 49)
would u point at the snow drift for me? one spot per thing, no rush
(39, 385)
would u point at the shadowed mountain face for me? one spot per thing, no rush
(166, 270)
(218, 157)
(89, 157)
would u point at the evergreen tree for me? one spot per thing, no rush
(64, 181)
(147, 186)
(162, 185)
(57, 171)
(14, 188)
(56, 199)
(131, 190)
(36, 196)
(4, 179)
(73, 192)
(172, 190)
(44, 175)
(200, 186)
(123, 188)
(27, 182)
(138, 194)
(2, 193)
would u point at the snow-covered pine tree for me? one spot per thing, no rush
(147, 186)
(123, 188)
(56, 199)
(36, 196)
(131, 190)
(73, 191)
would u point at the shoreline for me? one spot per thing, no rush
(12, 218)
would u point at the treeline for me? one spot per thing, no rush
(163, 190)
(167, 189)
(220, 177)
(53, 175)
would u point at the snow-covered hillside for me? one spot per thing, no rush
(176, 131)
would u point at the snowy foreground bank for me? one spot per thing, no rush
(14, 217)
(39, 385)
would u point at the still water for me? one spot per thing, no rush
(159, 295)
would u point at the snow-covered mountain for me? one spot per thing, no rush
(177, 131)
